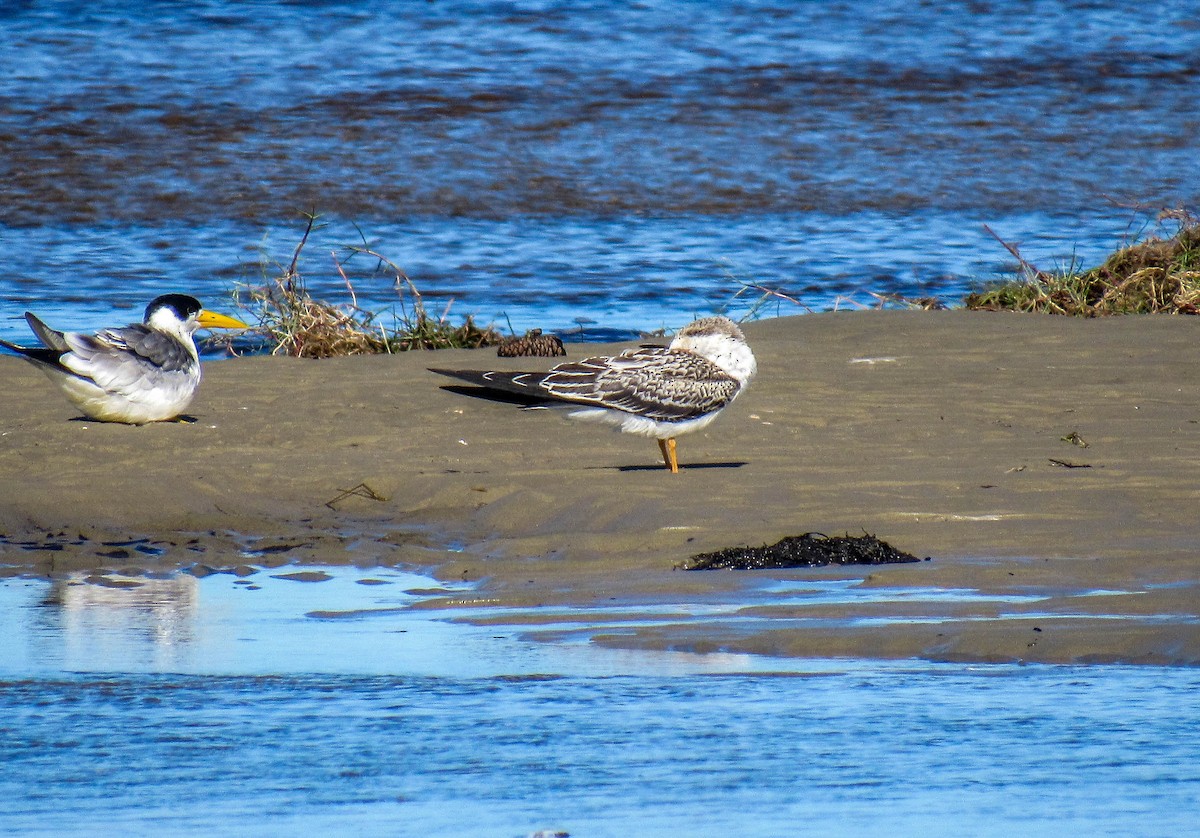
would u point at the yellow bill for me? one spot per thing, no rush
(212, 320)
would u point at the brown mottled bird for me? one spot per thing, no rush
(658, 392)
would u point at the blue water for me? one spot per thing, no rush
(270, 706)
(599, 166)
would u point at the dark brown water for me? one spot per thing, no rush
(625, 165)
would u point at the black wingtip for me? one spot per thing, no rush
(495, 386)
(477, 377)
(37, 354)
(460, 374)
(491, 394)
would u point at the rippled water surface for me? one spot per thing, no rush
(269, 705)
(617, 165)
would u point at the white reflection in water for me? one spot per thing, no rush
(157, 610)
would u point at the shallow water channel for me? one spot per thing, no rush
(317, 700)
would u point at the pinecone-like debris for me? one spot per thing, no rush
(533, 344)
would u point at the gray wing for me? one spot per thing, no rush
(132, 361)
(156, 349)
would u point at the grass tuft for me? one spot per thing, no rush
(298, 325)
(1156, 275)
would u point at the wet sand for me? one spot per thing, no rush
(1028, 455)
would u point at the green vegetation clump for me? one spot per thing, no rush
(1156, 275)
(296, 324)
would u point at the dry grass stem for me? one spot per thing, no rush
(300, 326)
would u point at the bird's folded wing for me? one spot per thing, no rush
(656, 383)
(130, 359)
(162, 351)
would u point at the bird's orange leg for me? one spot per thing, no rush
(667, 446)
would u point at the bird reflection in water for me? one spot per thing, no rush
(123, 618)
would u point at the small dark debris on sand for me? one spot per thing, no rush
(813, 549)
(533, 344)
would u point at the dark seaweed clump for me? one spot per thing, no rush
(812, 549)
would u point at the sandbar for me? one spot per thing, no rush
(1052, 459)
